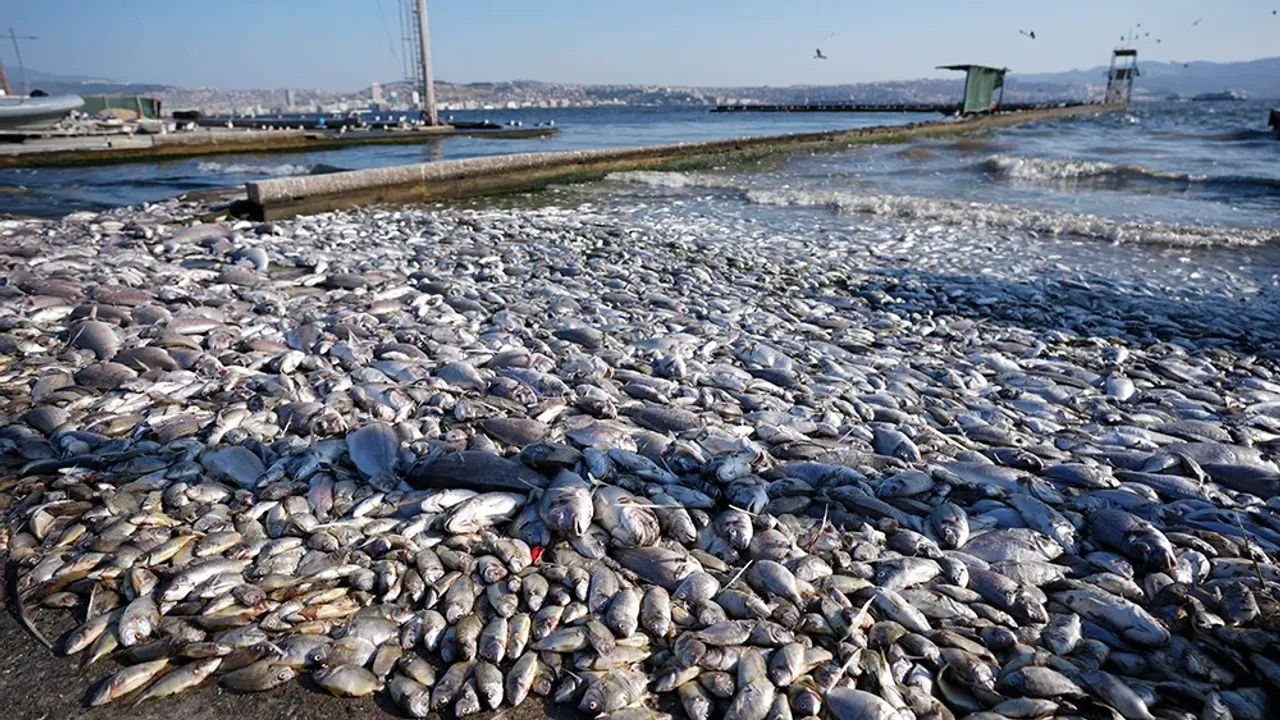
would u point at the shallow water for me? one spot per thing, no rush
(1199, 164)
(1192, 164)
(56, 191)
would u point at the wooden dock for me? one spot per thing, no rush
(834, 107)
(114, 149)
(450, 179)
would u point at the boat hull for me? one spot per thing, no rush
(35, 113)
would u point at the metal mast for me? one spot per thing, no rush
(26, 86)
(428, 87)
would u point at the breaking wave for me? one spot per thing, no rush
(996, 216)
(1013, 218)
(213, 167)
(1026, 168)
(1051, 171)
(672, 180)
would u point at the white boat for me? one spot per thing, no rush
(25, 112)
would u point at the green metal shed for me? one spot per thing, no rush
(980, 85)
(148, 107)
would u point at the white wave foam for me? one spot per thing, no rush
(213, 167)
(671, 179)
(1028, 168)
(1012, 218)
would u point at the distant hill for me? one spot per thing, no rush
(56, 84)
(1259, 78)
(41, 76)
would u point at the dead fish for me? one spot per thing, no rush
(566, 506)
(347, 681)
(180, 679)
(412, 697)
(476, 470)
(236, 464)
(116, 686)
(96, 336)
(850, 704)
(484, 510)
(258, 677)
(374, 449)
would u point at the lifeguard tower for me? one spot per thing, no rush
(1124, 68)
(980, 85)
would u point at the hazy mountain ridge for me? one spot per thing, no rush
(1259, 78)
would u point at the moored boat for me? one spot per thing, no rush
(35, 112)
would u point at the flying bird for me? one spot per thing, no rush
(818, 55)
(1029, 33)
(1197, 22)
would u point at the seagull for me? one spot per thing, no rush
(818, 55)
(1197, 22)
(1031, 34)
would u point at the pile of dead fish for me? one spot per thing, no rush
(465, 458)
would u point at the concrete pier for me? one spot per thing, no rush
(113, 149)
(836, 107)
(284, 197)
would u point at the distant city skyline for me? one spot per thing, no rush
(351, 44)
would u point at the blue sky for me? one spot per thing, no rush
(346, 44)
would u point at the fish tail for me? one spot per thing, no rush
(15, 603)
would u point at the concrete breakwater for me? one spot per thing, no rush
(116, 149)
(284, 197)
